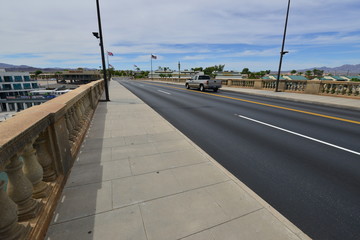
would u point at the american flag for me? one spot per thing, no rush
(153, 56)
(110, 53)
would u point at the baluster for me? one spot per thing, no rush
(20, 190)
(348, 90)
(323, 88)
(45, 158)
(296, 86)
(34, 172)
(69, 127)
(75, 121)
(81, 115)
(354, 91)
(9, 227)
(357, 90)
(332, 89)
(329, 89)
(83, 110)
(337, 89)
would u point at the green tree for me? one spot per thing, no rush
(198, 69)
(318, 73)
(213, 69)
(37, 73)
(246, 71)
(293, 72)
(308, 74)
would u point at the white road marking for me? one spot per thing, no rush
(56, 217)
(164, 92)
(300, 135)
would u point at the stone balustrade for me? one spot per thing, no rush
(331, 88)
(37, 149)
(350, 89)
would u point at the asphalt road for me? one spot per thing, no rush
(303, 159)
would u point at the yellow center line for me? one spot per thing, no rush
(265, 104)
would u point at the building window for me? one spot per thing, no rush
(20, 106)
(0, 79)
(27, 86)
(3, 107)
(27, 78)
(34, 85)
(17, 86)
(8, 79)
(7, 87)
(11, 107)
(18, 79)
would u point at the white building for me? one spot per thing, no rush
(14, 91)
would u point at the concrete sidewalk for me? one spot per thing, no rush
(137, 177)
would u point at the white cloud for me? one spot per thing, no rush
(59, 33)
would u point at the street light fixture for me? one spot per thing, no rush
(282, 53)
(99, 35)
(96, 34)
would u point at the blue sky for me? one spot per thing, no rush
(198, 33)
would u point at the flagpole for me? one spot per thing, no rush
(151, 66)
(107, 56)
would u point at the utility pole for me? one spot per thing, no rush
(282, 53)
(102, 52)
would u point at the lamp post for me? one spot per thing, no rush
(100, 37)
(282, 53)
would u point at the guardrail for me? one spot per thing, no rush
(37, 149)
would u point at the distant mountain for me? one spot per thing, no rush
(25, 68)
(346, 69)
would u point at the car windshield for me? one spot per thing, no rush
(204, 77)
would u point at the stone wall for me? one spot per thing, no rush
(37, 149)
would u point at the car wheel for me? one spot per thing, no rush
(215, 89)
(202, 88)
(187, 86)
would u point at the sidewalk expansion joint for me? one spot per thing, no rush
(169, 195)
(216, 225)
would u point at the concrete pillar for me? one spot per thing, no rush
(258, 84)
(34, 172)
(282, 85)
(313, 87)
(20, 190)
(10, 229)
